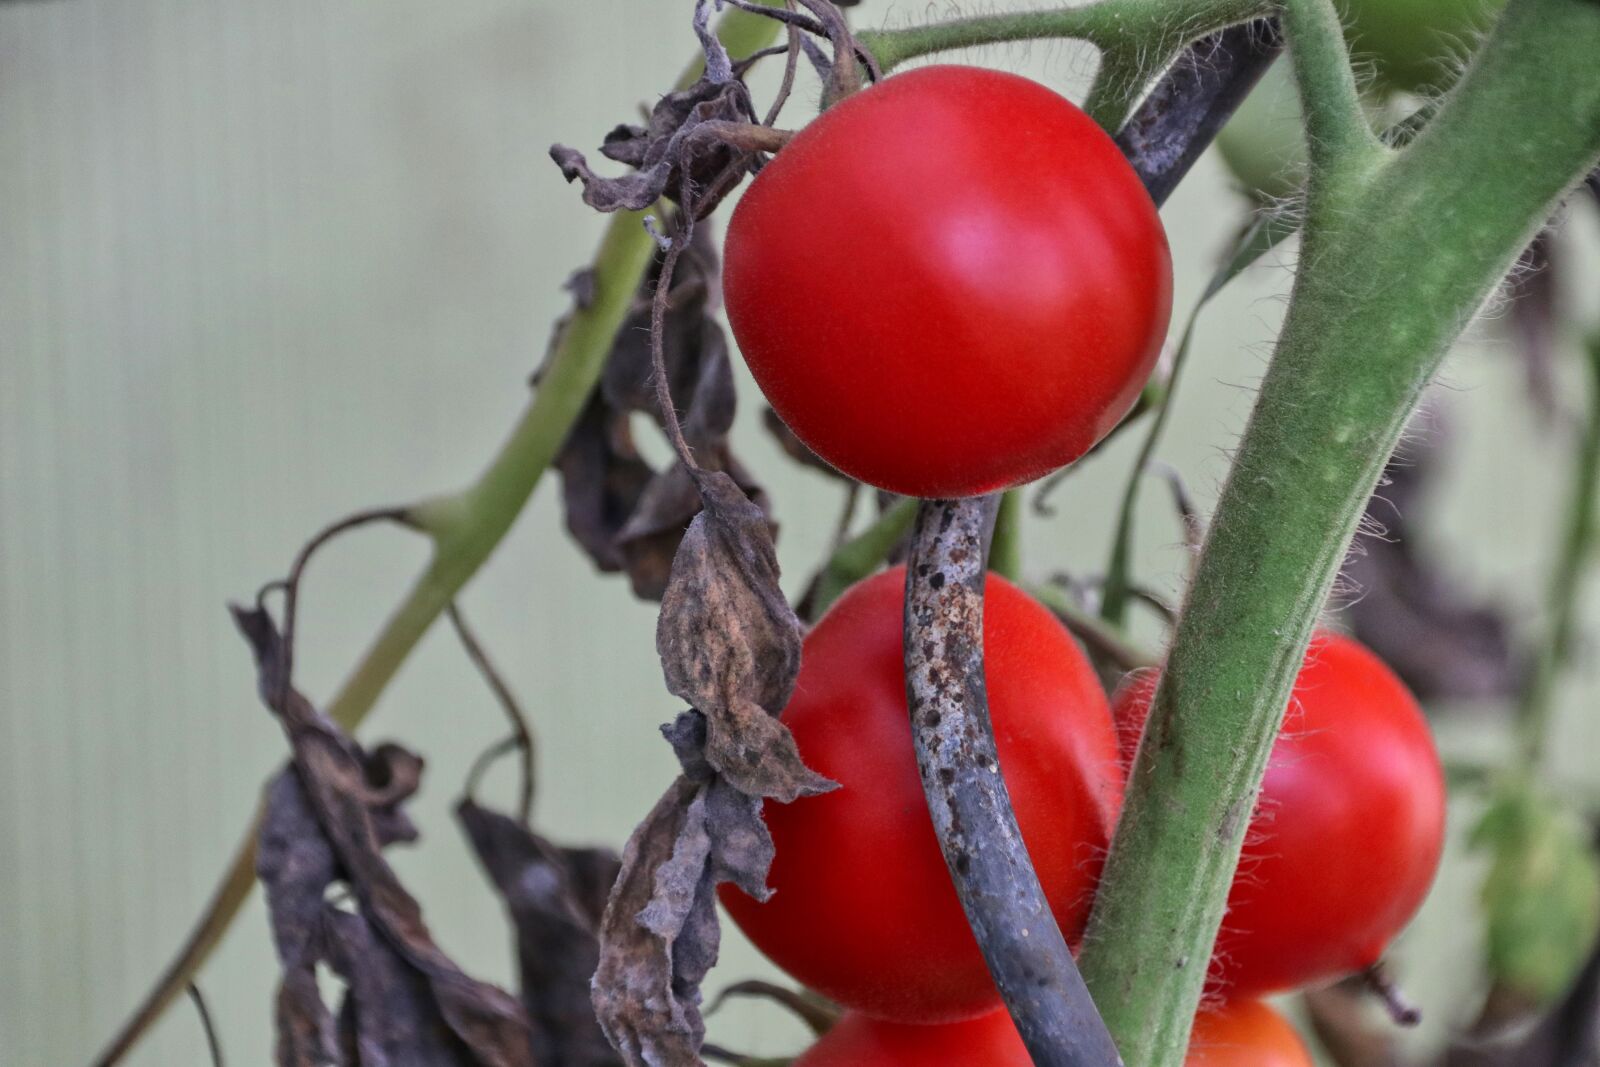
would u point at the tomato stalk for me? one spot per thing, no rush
(967, 798)
(1137, 39)
(1401, 249)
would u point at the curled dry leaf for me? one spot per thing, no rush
(730, 646)
(683, 146)
(659, 936)
(1409, 611)
(329, 815)
(625, 514)
(556, 897)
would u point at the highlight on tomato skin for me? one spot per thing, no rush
(1347, 831)
(1244, 1033)
(949, 283)
(863, 909)
(858, 1040)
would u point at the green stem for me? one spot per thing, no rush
(1566, 580)
(1397, 258)
(862, 554)
(466, 529)
(1107, 642)
(1005, 551)
(1138, 38)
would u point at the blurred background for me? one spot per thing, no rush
(263, 265)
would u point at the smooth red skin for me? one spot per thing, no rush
(949, 283)
(1346, 835)
(1245, 1033)
(864, 911)
(861, 1041)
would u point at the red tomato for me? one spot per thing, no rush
(949, 283)
(1245, 1033)
(1346, 834)
(864, 911)
(861, 1041)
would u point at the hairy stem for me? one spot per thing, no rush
(1566, 580)
(967, 797)
(1398, 256)
(1121, 25)
(466, 529)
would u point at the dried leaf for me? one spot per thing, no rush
(626, 515)
(659, 936)
(556, 897)
(730, 643)
(603, 478)
(676, 145)
(328, 818)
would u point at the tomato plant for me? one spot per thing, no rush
(863, 909)
(1347, 830)
(861, 1041)
(949, 283)
(1244, 1033)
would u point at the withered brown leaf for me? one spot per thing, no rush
(659, 936)
(329, 816)
(625, 514)
(556, 897)
(730, 643)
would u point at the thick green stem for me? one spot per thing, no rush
(466, 529)
(1137, 40)
(1398, 256)
(1566, 579)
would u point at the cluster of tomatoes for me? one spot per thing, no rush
(950, 284)
(1342, 846)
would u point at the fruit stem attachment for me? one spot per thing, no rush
(1381, 984)
(967, 798)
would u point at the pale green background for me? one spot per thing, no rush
(262, 264)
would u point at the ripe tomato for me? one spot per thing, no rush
(1245, 1033)
(1346, 833)
(861, 1041)
(1416, 44)
(949, 283)
(864, 911)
